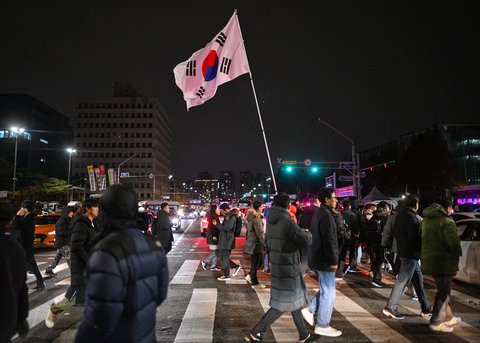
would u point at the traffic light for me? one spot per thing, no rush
(289, 169)
(314, 170)
(264, 195)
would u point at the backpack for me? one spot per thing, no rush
(238, 226)
(374, 225)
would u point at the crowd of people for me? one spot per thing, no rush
(120, 275)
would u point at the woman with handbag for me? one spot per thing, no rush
(254, 245)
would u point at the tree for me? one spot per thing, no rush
(428, 167)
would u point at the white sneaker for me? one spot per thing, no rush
(223, 278)
(453, 321)
(236, 270)
(248, 278)
(442, 327)
(258, 286)
(50, 319)
(308, 316)
(329, 331)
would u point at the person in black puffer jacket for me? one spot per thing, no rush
(127, 276)
(62, 239)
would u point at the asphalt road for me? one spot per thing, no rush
(199, 308)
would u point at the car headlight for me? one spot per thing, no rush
(52, 233)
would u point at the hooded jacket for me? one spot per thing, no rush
(441, 247)
(24, 229)
(284, 240)
(127, 277)
(255, 230)
(62, 229)
(83, 233)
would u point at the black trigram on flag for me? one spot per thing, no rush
(225, 66)
(200, 92)
(191, 68)
(221, 39)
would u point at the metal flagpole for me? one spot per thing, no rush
(258, 107)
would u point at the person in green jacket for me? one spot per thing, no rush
(440, 254)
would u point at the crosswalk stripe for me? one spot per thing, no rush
(199, 318)
(64, 282)
(185, 274)
(37, 315)
(58, 268)
(365, 322)
(284, 328)
(465, 331)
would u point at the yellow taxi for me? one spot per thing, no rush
(45, 230)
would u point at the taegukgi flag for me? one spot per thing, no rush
(222, 60)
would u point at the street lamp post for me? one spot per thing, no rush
(354, 162)
(70, 152)
(17, 131)
(121, 164)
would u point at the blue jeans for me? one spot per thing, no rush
(323, 301)
(409, 271)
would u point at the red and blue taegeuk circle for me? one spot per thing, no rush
(210, 66)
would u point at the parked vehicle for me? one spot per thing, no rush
(469, 264)
(44, 236)
(464, 215)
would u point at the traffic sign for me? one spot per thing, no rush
(346, 165)
(125, 174)
(151, 176)
(345, 178)
(289, 162)
(307, 162)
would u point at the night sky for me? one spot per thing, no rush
(372, 69)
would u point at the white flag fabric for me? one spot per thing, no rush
(222, 60)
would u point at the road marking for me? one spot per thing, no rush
(174, 247)
(185, 274)
(58, 268)
(465, 331)
(64, 282)
(464, 299)
(370, 326)
(284, 328)
(197, 323)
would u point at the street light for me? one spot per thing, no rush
(17, 131)
(70, 152)
(354, 163)
(121, 164)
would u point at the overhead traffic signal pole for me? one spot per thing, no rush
(354, 160)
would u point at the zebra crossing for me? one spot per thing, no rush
(192, 311)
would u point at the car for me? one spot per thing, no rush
(44, 236)
(469, 264)
(187, 213)
(464, 215)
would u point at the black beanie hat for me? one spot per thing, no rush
(120, 202)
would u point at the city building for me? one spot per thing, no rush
(227, 184)
(463, 140)
(46, 135)
(247, 182)
(130, 135)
